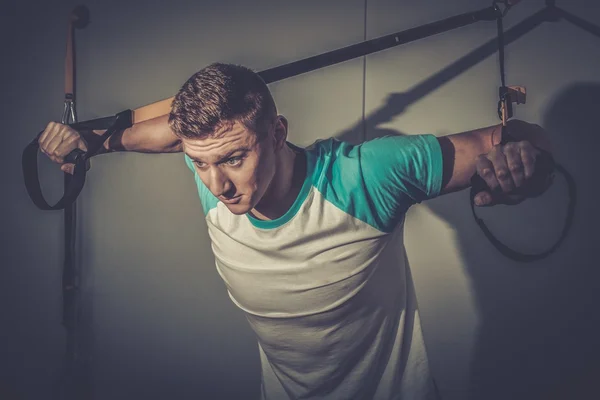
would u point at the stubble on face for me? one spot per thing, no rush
(239, 188)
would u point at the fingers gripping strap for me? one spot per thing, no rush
(522, 257)
(77, 157)
(545, 165)
(32, 182)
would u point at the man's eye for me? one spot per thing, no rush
(234, 161)
(199, 164)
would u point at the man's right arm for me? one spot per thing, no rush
(151, 136)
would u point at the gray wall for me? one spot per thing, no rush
(158, 322)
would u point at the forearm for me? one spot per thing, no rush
(151, 136)
(460, 151)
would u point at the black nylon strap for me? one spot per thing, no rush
(270, 75)
(78, 157)
(501, 51)
(544, 166)
(523, 257)
(32, 181)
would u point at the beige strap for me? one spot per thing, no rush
(153, 110)
(69, 76)
(516, 94)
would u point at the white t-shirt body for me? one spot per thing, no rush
(331, 303)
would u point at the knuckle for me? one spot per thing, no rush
(515, 168)
(496, 149)
(502, 174)
(70, 140)
(487, 173)
(528, 159)
(524, 145)
(511, 146)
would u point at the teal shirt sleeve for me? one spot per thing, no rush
(405, 169)
(378, 180)
(207, 199)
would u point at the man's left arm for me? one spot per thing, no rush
(508, 169)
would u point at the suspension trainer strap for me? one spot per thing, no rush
(29, 158)
(545, 165)
(77, 157)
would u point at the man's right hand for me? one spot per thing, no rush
(57, 141)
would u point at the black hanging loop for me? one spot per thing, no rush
(545, 164)
(81, 18)
(78, 157)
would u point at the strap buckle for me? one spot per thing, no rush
(509, 95)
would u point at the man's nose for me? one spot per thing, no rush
(219, 184)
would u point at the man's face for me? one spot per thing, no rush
(234, 165)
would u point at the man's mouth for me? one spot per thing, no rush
(232, 200)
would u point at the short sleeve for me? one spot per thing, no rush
(378, 180)
(401, 170)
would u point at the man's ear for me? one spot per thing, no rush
(281, 129)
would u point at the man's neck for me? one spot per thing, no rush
(285, 187)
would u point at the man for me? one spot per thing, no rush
(300, 236)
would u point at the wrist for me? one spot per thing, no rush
(94, 142)
(105, 148)
(497, 135)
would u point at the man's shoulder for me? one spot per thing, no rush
(323, 144)
(330, 148)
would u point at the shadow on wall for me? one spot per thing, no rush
(7, 393)
(538, 331)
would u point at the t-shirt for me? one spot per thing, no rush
(326, 287)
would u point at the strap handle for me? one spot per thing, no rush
(545, 165)
(123, 120)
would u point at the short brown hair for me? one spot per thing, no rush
(216, 97)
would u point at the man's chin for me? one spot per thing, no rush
(238, 209)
